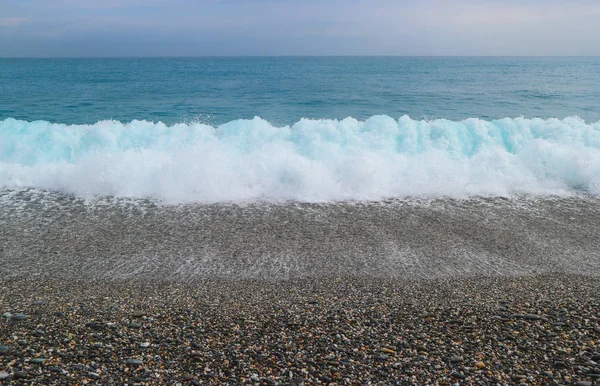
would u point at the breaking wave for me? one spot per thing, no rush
(311, 161)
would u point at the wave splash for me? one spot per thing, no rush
(310, 161)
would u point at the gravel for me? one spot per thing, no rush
(340, 330)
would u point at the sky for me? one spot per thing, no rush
(92, 28)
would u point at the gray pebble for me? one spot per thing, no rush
(458, 375)
(20, 317)
(133, 361)
(20, 374)
(455, 359)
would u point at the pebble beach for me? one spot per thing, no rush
(343, 330)
(480, 292)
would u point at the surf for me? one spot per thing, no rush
(313, 160)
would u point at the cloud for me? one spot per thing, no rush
(13, 21)
(319, 27)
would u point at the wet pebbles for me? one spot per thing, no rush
(532, 330)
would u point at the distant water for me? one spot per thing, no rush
(330, 129)
(284, 90)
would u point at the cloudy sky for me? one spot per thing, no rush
(298, 27)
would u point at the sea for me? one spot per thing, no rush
(278, 167)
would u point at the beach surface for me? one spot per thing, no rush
(481, 291)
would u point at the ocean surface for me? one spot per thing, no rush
(303, 129)
(293, 167)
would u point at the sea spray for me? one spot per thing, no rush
(311, 161)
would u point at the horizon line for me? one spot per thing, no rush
(293, 56)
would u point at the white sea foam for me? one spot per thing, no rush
(313, 160)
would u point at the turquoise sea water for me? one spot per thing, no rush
(284, 90)
(307, 129)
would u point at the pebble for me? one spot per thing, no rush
(531, 317)
(135, 362)
(458, 375)
(480, 365)
(20, 317)
(4, 375)
(145, 344)
(38, 360)
(3, 349)
(20, 374)
(583, 383)
(297, 381)
(456, 358)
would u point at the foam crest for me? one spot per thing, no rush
(313, 160)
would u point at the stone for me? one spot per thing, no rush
(38, 360)
(560, 364)
(455, 359)
(4, 375)
(3, 349)
(458, 375)
(297, 381)
(480, 365)
(145, 344)
(20, 374)
(531, 317)
(19, 317)
(134, 362)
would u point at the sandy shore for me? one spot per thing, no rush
(524, 330)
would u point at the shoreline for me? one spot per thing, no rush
(62, 237)
(337, 330)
